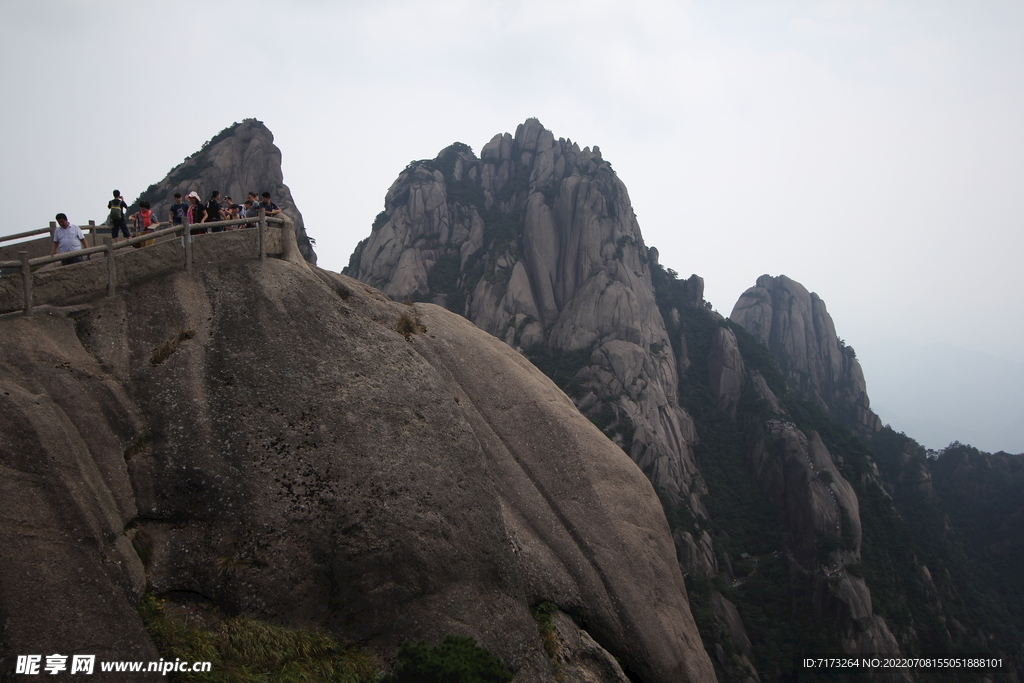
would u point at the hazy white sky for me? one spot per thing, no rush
(872, 150)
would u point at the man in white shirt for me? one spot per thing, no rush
(67, 237)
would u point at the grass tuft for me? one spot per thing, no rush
(243, 650)
(409, 325)
(164, 351)
(543, 613)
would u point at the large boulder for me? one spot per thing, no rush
(291, 445)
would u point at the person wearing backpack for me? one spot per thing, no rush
(115, 219)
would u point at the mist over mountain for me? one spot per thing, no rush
(942, 393)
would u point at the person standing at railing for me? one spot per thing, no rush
(233, 214)
(176, 213)
(270, 207)
(116, 218)
(142, 220)
(252, 210)
(213, 211)
(67, 237)
(144, 217)
(195, 213)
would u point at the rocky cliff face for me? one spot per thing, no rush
(818, 506)
(260, 439)
(796, 327)
(239, 159)
(814, 511)
(822, 515)
(964, 499)
(536, 242)
(983, 495)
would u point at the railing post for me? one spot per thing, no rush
(26, 280)
(263, 233)
(92, 233)
(186, 236)
(111, 271)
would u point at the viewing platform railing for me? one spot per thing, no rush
(27, 266)
(43, 231)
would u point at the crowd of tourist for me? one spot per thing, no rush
(216, 209)
(68, 237)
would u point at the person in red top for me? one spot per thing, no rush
(142, 220)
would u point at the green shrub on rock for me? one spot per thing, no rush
(455, 660)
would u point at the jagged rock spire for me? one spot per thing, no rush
(239, 159)
(797, 328)
(536, 242)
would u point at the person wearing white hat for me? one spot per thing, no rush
(195, 212)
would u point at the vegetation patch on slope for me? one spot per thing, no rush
(455, 660)
(244, 650)
(957, 610)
